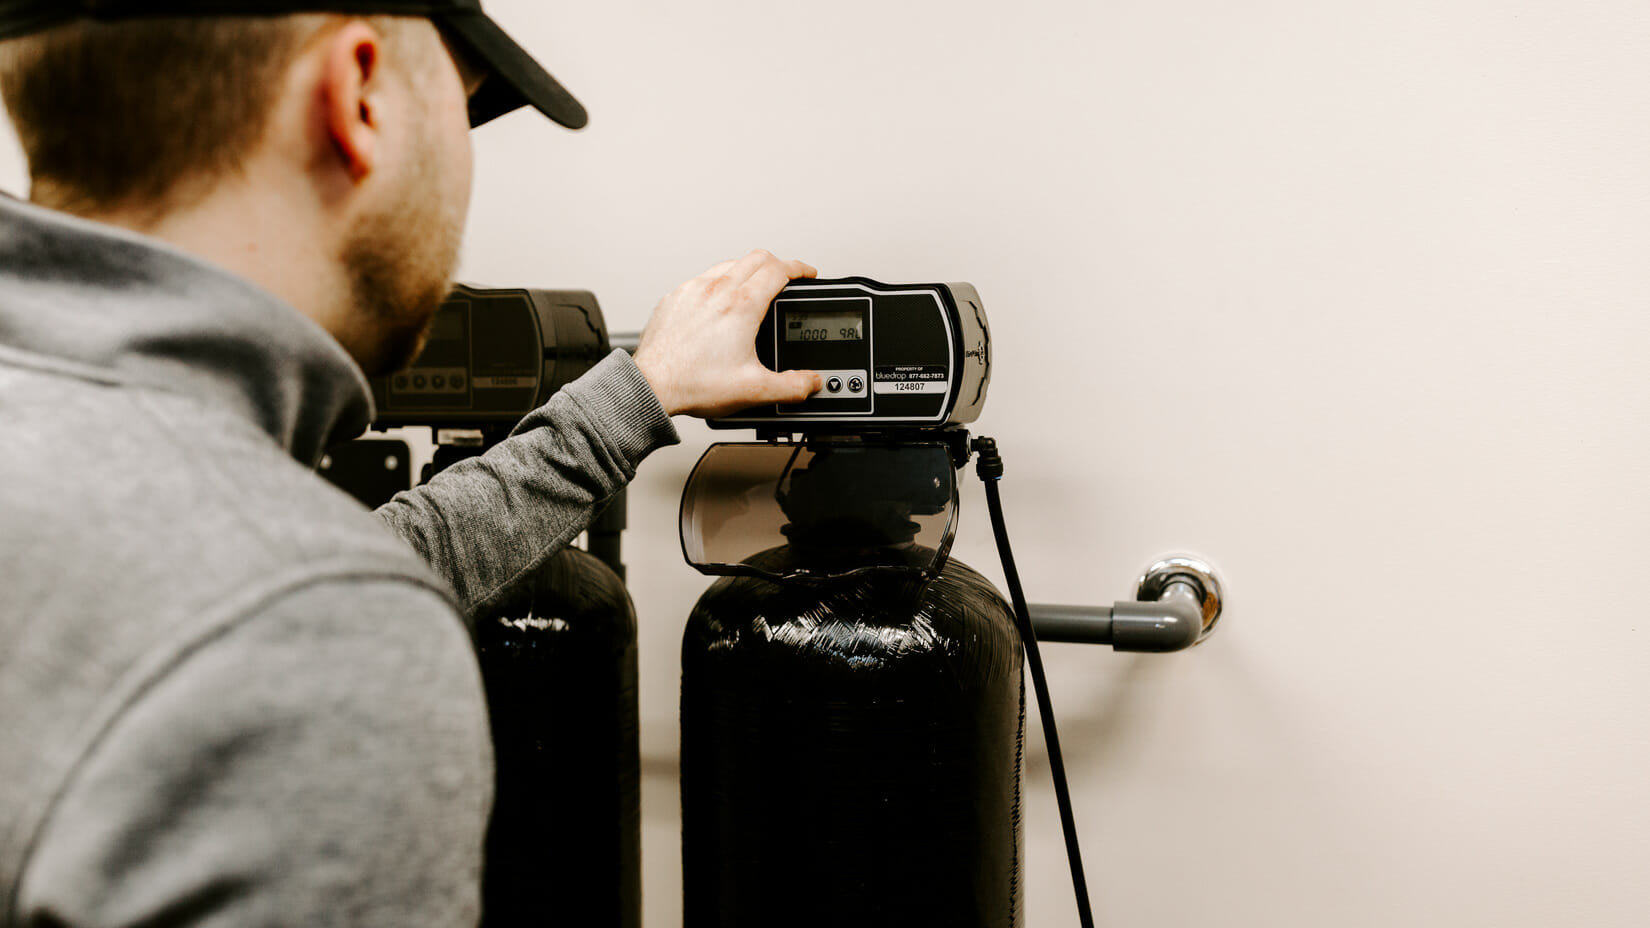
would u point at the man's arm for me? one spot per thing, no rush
(324, 761)
(490, 521)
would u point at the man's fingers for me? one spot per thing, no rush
(698, 350)
(719, 269)
(762, 261)
(715, 279)
(785, 271)
(760, 265)
(746, 267)
(787, 387)
(772, 277)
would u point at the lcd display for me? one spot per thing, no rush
(824, 326)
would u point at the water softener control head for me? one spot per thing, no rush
(890, 356)
(492, 357)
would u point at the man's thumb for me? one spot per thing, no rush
(795, 386)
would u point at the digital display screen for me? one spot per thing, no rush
(824, 325)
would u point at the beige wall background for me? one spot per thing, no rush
(1351, 298)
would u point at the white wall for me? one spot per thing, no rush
(1352, 298)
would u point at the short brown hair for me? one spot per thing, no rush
(138, 114)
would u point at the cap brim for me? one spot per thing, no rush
(514, 79)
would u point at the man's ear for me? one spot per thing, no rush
(350, 75)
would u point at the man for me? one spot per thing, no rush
(229, 696)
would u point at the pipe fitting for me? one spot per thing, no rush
(1173, 622)
(1179, 601)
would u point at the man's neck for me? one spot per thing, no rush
(268, 239)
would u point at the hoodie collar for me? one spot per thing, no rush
(117, 306)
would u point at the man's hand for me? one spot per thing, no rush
(699, 350)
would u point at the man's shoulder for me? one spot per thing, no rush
(133, 517)
(154, 486)
(141, 529)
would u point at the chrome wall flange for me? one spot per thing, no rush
(1184, 568)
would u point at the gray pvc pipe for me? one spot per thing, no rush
(1172, 623)
(1072, 624)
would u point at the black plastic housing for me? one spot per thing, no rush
(492, 357)
(893, 356)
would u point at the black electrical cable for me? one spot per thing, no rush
(990, 468)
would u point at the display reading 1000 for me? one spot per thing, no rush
(805, 326)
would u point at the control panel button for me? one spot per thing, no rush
(430, 381)
(840, 390)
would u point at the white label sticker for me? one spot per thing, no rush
(908, 386)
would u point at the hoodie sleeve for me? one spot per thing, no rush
(485, 523)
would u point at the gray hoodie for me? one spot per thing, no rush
(229, 695)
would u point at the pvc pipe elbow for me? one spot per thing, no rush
(1172, 623)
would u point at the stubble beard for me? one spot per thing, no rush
(399, 264)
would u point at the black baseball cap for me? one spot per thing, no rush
(514, 78)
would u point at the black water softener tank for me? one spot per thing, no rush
(853, 715)
(559, 665)
(558, 660)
